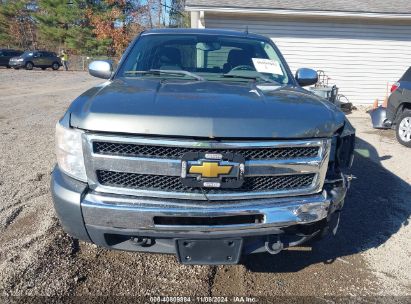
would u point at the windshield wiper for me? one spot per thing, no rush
(170, 72)
(254, 77)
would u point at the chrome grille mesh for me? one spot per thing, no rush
(152, 151)
(150, 166)
(173, 183)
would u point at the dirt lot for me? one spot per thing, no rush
(370, 256)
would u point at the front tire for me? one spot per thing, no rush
(29, 66)
(403, 129)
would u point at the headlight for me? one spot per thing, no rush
(345, 151)
(345, 146)
(20, 59)
(69, 152)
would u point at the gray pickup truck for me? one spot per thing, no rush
(201, 144)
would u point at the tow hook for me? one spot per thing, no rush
(274, 247)
(142, 241)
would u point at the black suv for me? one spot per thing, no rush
(398, 112)
(6, 54)
(40, 59)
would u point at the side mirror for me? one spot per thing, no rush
(100, 69)
(306, 77)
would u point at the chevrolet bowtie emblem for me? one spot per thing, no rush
(210, 169)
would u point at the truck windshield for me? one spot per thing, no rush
(204, 57)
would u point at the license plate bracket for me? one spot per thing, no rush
(209, 252)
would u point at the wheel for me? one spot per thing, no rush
(403, 129)
(43, 69)
(7, 66)
(29, 65)
(55, 66)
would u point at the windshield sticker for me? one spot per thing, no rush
(267, 66)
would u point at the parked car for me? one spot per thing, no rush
(397, 115)
(36, 59)
(201, 144)
(6, 54)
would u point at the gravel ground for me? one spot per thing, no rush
(369, 257)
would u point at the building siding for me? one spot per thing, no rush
(361, 59)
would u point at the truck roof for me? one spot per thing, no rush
(219, 32)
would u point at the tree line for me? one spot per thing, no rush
(87, 27)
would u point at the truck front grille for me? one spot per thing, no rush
(152, 167)
(173, 183)
(133, 150)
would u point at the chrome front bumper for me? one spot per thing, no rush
(113, 221)
(15, 64)
(139, 213)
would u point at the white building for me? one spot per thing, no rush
(363, 45)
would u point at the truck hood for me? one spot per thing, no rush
(204, 109)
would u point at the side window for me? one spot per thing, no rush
(406, 76)
(271, 52)
(135, 67)
(173, 56)
(218, 58)
(188, 55)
